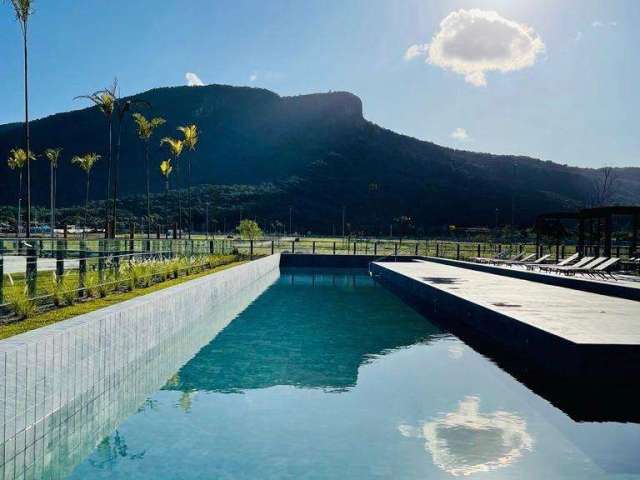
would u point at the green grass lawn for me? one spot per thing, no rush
(64, 313)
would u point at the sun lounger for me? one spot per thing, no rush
(583, 261)
(499, 257)
(601, 270)
(524, 259)
(568, 260)
(540, 262)
(537, 262)
(583, 268)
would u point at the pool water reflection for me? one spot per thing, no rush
(328, 375)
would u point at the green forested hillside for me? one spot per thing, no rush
(319, 154)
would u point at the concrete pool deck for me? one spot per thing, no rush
(564, 329)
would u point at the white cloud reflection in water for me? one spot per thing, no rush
(466, 441)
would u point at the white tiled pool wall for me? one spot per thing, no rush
(78, 379)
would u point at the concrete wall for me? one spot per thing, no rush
(546, 351)
(308, 260)
(65, 386)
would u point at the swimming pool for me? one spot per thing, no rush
(325, 374)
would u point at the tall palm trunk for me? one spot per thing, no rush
(166, 203)
(115, 178)
(19, 219)
(179, 197)
(106, 204)
(189, 194)
(26, 125)
(86, 209)
(146, 167)
(51, 200)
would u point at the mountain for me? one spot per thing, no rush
(318, 153)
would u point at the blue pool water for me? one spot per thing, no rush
(327, 375)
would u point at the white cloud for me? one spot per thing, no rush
(415, 51)
(474, 42)
(600, 24)
(460, 134)
(253, 77)
(193, 80)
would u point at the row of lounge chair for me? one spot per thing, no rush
(592, 266)
(599, 267)
(519, 259)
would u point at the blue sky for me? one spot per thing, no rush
(574, 101)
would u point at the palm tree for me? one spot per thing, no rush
(145, 132)
(86, 163)
(16, 161)
(165, 170)
(190, 134)
(175, 149)
(23, 10)
(122, 108)
(53, 155)
(105, 100)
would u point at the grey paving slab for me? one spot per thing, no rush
(577, 316)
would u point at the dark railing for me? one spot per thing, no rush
(79, 256)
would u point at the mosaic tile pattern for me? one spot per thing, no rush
(64, 387)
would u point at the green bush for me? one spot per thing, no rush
(91, 283)
(19, 301)
(54, 289)
(69, 289)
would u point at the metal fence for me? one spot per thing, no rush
(27, 260)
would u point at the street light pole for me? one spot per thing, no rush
(290, 220)
(207, 220)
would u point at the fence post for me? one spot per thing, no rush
(457, 251)
(313, 248)
(273, 245)
(32, 269)
(101, 260)
(132, 235)
(416, 249)
(1, 270)
(354, 247)
(60, 251)
(562, 251)
(479, 247)
(334, 248)
(211, 246)
(250, 249)
(83, 268)
(293, 246)
(395, 249)
(375, 249)
(437, 249)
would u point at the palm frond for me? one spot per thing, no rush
(86, 161)
(190, 134)
(166, 168)
(175, 146)
(18, 158)
(23, 9)
(53, 155)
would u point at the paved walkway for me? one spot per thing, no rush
(581, 317)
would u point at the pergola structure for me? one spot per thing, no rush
(595, 228)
